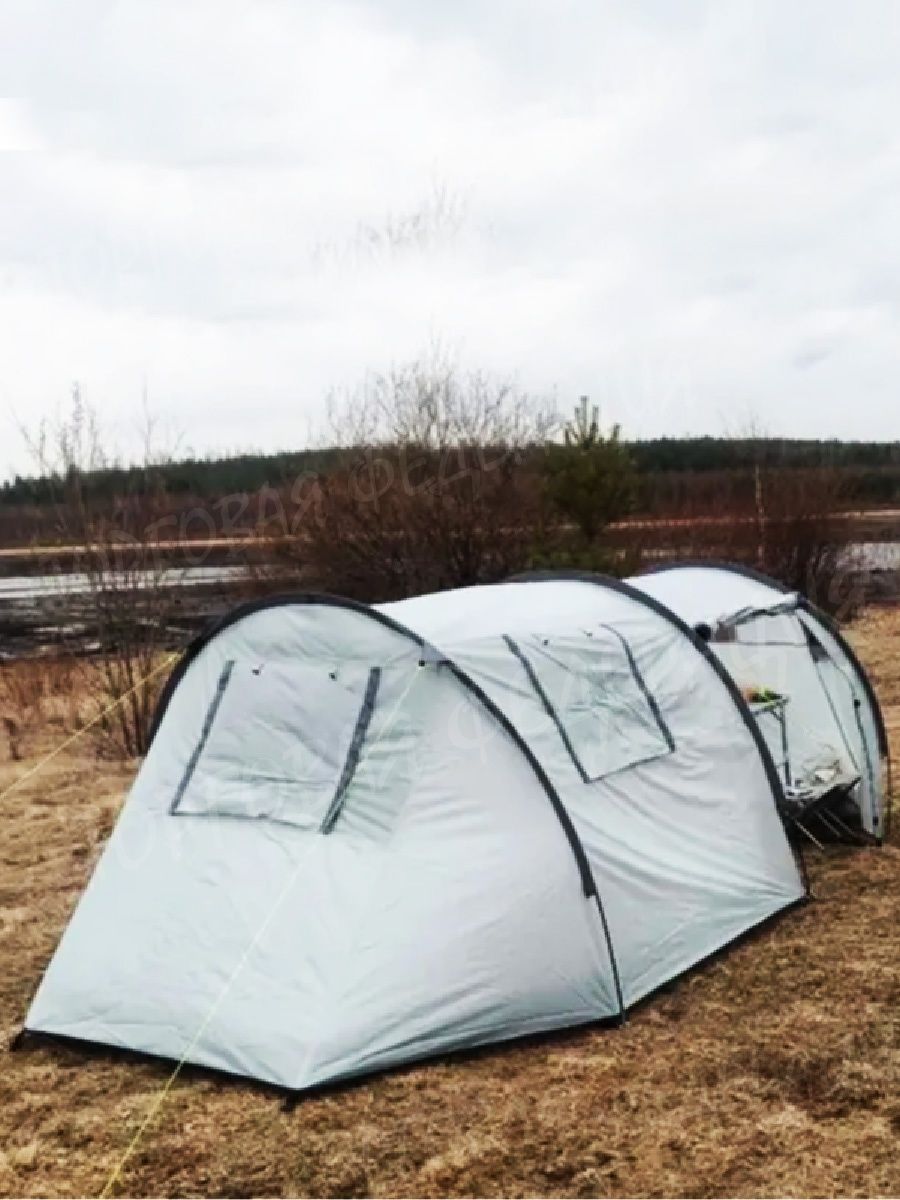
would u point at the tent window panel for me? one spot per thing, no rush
(595, 695)
(279, 742)
(391, 757)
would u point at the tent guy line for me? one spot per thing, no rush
(156, 1104)
(95, 720)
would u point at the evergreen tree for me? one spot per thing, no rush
(590, 478)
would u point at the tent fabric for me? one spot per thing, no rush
(766, 635)
(821, 621)
(364, 836)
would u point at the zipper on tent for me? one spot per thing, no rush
(209, 720)
(548, 706)
(837, 719)
(870, 774)
(642, 684)
(363, 721)
(864, 741)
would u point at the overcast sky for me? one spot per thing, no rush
(688, 210)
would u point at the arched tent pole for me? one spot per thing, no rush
(301, 599)
(633, 593)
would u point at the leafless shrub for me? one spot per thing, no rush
(787, 523)
(432, 489)
(119, 553)
(803, 538)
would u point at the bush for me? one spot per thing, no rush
(794, 532)
(118, 550)
(432, 488)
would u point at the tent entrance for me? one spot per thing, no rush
(807, 710)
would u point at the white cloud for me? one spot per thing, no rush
(686, 209)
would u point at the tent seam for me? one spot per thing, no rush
(211, 713)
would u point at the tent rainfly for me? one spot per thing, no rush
(367, 835)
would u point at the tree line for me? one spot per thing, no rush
(875, 467)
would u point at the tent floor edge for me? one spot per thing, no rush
(19, 1039)
(34, 1039)
(757, 929)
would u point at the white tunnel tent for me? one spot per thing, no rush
(363, 836)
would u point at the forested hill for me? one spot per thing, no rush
(724, 454)
(215, 477)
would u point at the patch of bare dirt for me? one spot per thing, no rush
(774, 1070)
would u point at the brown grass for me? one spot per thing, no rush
(39, 698)
(774, 1070)
(45, 700)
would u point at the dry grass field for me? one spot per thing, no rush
(774, 1070)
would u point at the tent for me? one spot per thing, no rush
(827, 734)
(367, 835)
